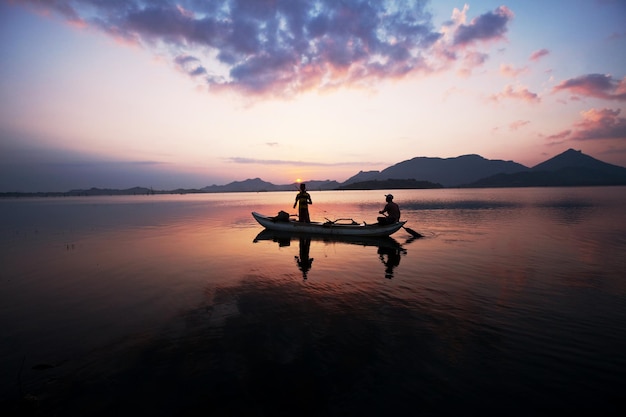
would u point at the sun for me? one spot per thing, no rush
(299, 180)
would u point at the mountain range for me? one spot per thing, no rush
(449, 172)
(570, 168)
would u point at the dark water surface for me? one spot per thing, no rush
(513, 304)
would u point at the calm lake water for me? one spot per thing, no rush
(514, 303)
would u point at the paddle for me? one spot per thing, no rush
(411, 231)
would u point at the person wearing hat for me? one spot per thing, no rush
(392, 210)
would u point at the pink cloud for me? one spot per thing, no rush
(459, 38)
(516, 93)
(600, 124)
(595, 85)
(518, 124)
(560, 137)
(510, 71)
(472, 60)
(475, 59)
(537, 55)
(596, 124)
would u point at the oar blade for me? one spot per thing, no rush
(412, 232)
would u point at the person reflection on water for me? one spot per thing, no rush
(392, 210)
(303, 261)
(393, 259)
(304, 199)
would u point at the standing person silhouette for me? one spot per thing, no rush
(304, 199)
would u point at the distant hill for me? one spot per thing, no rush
(362, 176)
(390, 184)
(109, 191)
(573, 158)
(258, 185)
(449, 172)
(570, 168)
(315, 185)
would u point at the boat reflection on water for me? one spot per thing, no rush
(389, 250)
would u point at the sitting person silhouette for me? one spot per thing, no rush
(392, 210)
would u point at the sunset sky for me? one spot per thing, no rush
(190, 93)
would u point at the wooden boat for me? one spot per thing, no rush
(329, 227)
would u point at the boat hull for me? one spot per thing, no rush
(329, 229)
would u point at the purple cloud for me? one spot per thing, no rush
(283, 47)
(190, 65)
(537, 55)
(600, 124)
(595, 85)
(242, 160)
(560, 137)
(491, 25)
(595, 124)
